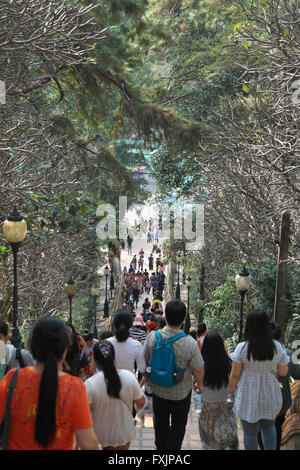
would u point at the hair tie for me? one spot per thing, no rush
(105, 350)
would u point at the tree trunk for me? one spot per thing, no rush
(281, 312)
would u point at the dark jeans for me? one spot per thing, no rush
(268, 432)
(278, 425)
(169, 436)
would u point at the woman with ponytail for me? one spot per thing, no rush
(127, 350)
(111, 393)
(49, 408)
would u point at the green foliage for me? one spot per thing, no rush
(82, 311)
(4, 252)
(191, 72)
(82, 316)
(222, 312)
(64, 213)
(292, 332)
(174, 173)
(263, 274)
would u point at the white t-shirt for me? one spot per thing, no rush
(127, 353)
(89, 349)
(112, 417)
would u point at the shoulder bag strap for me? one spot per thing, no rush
(269, 368)
(130, 411)
(7, 410)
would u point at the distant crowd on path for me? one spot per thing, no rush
(153, 235)
(80, 392)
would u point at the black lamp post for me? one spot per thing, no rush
(242, 282)
(187, 324)
(177, 293)
(95, 293)
(112, 282)
(70, 289)
(14, 229)
(106, 306)
(202, 293)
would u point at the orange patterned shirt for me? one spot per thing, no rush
(72, 410)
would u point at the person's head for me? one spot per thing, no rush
(48, 343)
(104, 357)
(175, 312)
(122, 322)
(138, 322)
(152, 326)
(193, 334)
(161, 323)
(89, 339)
(258, 335)
(105, 334)
(201, 329)
(217, 364)
(3, 331)
(276, 331)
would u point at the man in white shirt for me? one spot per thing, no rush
(14, 357)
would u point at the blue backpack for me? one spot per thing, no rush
(164, 370)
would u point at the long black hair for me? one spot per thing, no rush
(104, 356)
(258, 335)
(122, 322)
(48, 343)
(72, 346)
(217, 364)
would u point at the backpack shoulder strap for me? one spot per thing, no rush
(158, 336)
(176, 337)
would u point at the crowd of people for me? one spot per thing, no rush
(79, 392)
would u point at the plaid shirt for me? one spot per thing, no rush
(187, 355)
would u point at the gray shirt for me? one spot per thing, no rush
(11, 357)
(210, 395)
(187, 355)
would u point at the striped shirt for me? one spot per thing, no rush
(138, 335)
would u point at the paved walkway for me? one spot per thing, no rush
(145, 436)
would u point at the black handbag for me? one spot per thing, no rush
(4, 432)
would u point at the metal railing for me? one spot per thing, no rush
(116, 304)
